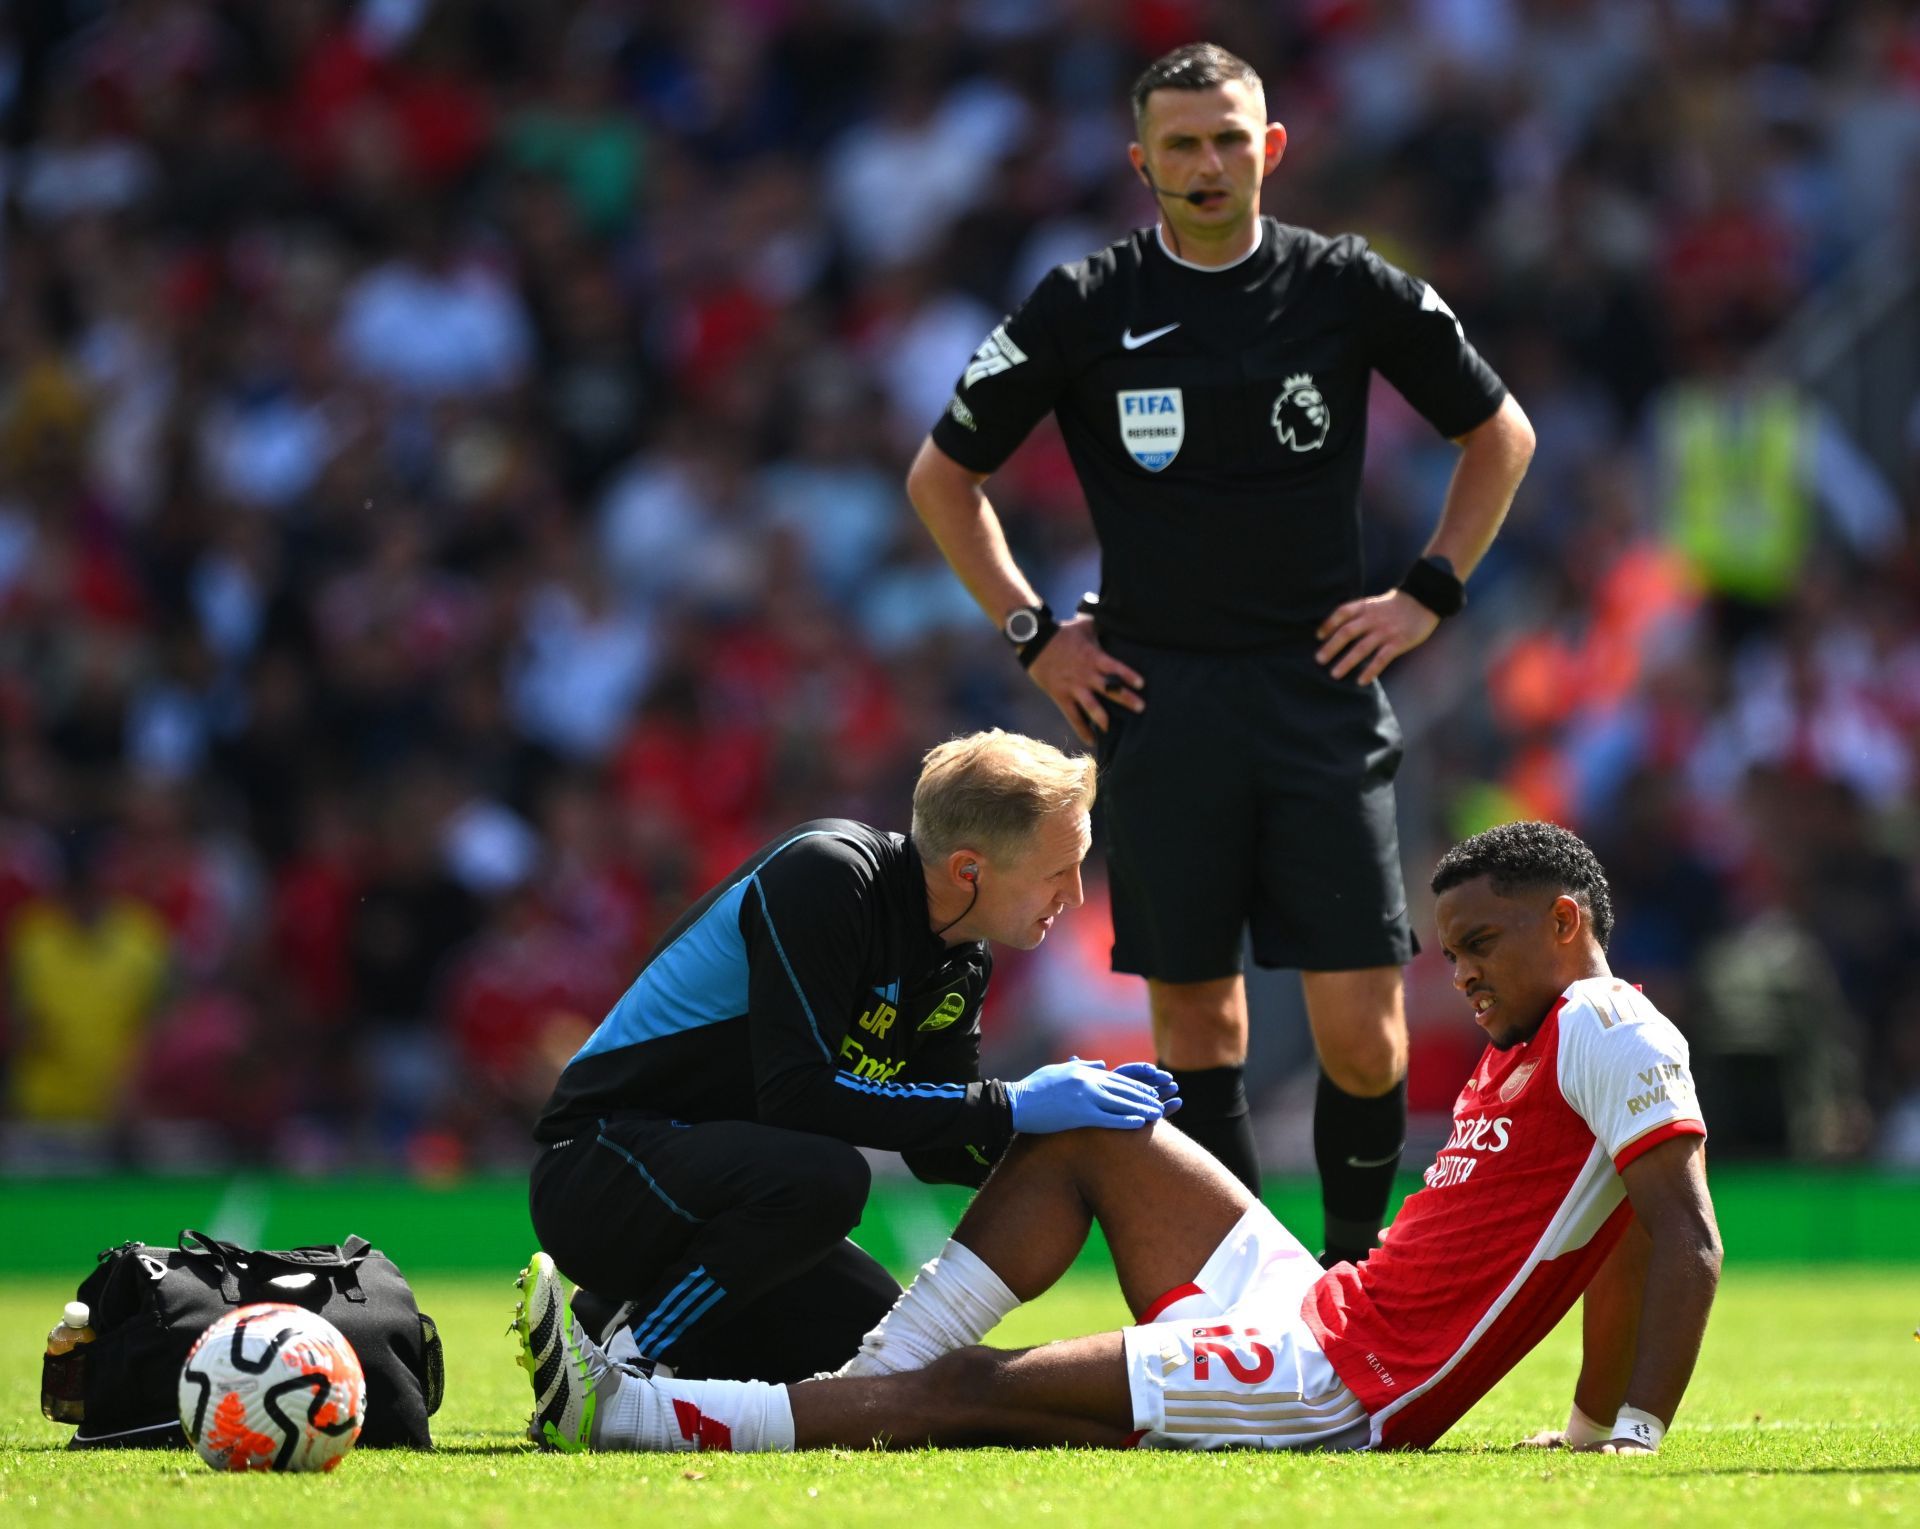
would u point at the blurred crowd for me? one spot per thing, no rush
(451, 511)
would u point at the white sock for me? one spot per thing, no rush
(954, 1300)
(667, 1415)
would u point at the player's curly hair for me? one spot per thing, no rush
(1527, 856)
(1196, 66)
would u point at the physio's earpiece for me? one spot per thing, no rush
(969, 873)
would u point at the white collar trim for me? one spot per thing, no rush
(1160, 233)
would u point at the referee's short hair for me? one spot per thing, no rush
(989, 791)
(1532, 856)
(1195, 66)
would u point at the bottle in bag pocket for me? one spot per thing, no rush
(63, 1373)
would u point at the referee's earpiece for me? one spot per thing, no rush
(1195, 197)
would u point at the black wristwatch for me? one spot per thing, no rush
(1435, 585)
(1029, 629)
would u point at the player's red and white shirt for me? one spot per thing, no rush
(1520, 1208)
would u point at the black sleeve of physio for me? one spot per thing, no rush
(949, 1165)
(805, 918)
(1421, 348)
(955, 1057)
(1008, 386)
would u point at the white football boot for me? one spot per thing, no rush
(565, 1365)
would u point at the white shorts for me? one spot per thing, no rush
(1228, 1361)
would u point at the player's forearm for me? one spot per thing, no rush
(1610, 1327)
(953, 506)
(1683, 1272)
(1493, 460)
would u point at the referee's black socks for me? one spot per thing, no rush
(1213, 1111)
(1357, 1143)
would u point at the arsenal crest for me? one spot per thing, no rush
(1517, 1080)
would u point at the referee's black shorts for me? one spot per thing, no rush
(1254, 791)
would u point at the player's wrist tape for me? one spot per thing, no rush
(1433, 583)
(1633, 1426)
(1582, 1431)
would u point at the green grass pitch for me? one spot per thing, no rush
(1806, 1409)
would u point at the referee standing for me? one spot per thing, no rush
(1210, 377)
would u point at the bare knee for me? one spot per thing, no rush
(1078, 1151)
(1359, 1024)
(1366, 1062)
(1200, 1024)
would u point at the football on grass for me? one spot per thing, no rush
(272, 1387)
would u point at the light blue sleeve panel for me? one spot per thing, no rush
(700, 979)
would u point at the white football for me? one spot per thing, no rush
(272, 1387)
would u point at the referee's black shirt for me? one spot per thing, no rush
(1217, 420)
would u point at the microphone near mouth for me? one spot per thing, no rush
(1194, 197)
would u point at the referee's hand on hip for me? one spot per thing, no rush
(1376, 631)
(1078, 674)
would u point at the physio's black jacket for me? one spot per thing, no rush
(1217, 420)
(807, 991)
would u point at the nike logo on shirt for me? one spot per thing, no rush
(1134, 341)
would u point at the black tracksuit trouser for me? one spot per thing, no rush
(728, 1238)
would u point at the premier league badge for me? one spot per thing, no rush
(1153, 423)
(1301, 417)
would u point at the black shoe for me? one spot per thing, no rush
(600, 1317)
(603, 1320)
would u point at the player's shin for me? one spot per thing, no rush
(955, 1300)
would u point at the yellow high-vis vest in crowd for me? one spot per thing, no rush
(1738, 509)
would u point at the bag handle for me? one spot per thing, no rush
(342, 1262)
(340, 1265)
(353, 1253)
(226, 1255)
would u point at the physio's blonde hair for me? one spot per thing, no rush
(989, 791)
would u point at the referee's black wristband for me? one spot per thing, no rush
(1433, 583)
(1028, 652)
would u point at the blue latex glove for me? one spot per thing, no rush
(1066, 1096)
(1156, 1078)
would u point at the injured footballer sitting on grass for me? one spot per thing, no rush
(1576, 1165)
